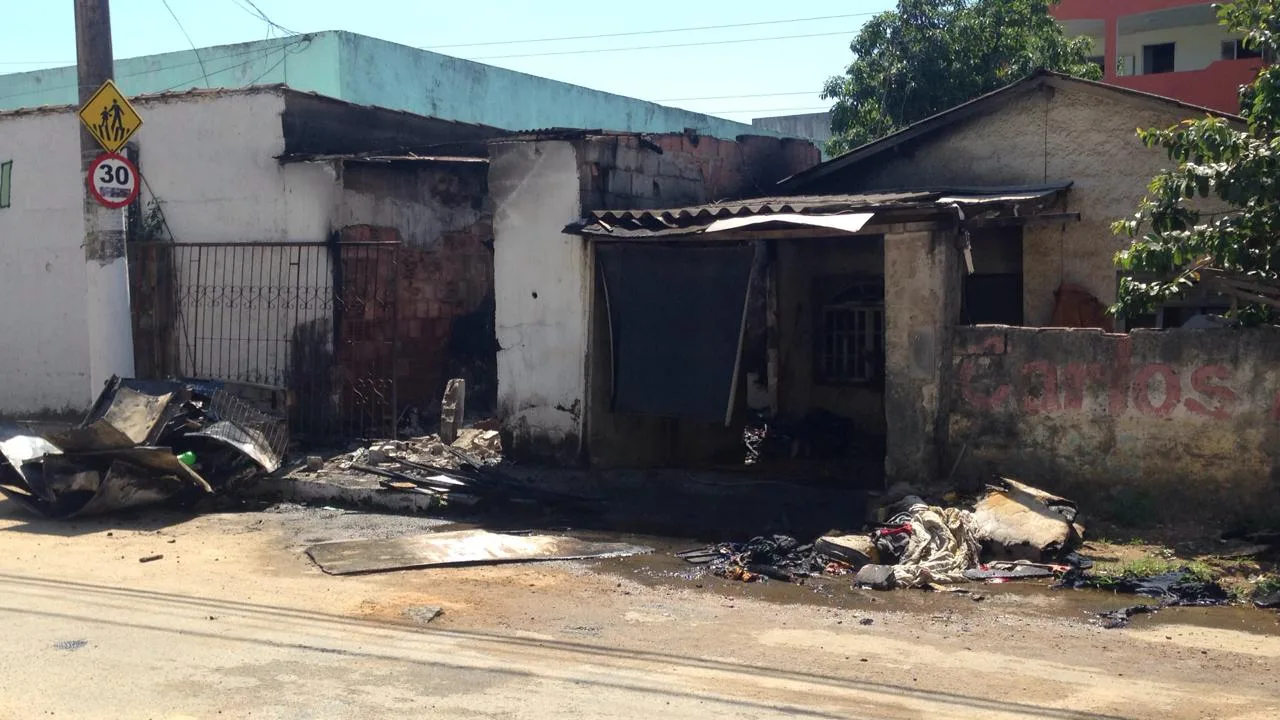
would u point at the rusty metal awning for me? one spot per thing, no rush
(847, 213)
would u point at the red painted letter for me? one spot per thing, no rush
(1142, 390)
(973, 396)
(1120, 377)
(1225, 396)
(1076, 378)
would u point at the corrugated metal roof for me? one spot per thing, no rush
(799, 204)
(696, 219)
(379, 158)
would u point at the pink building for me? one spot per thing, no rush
(1173, 48)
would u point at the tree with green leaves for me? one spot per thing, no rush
(930, 55)
(1219, 207)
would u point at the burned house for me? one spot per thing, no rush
(916, 288)
(335, 254)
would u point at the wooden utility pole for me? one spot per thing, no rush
(109, 323)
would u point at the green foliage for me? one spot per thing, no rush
(1238, 170)
(931, 55)
(1148, 566)
(1266, 585)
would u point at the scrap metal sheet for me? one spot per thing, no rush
(464, 547)
(22, 448)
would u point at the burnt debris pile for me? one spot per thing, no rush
(144, 442)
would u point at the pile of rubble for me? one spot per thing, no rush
(467, 469)
(475, 447)
(143, 442)
(1013, 531)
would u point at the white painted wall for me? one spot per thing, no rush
(1196, 46)
(542, 280)
(211, 162)
(44, 334)
(210, 159)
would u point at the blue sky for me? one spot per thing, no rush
(734, 80)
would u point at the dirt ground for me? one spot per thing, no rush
(235, 621)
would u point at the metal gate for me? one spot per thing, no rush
(314, 322)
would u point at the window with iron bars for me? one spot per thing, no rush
(851, 336)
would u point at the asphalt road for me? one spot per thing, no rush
(234, 621)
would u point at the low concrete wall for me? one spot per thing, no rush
(1140, 427)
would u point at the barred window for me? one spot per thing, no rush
(851, 335)
(6, 176)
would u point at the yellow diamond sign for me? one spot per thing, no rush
(110, 118)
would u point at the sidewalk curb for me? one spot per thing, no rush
(311, 491)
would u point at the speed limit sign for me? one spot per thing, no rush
(113, 181)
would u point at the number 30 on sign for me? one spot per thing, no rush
(113, 181)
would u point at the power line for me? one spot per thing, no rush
(287, 48)
(174, 15)
(258, 52)
(285, 56)
(760, 110)
(649, 32)
(737, 97)
(663, 47)
(257, 12)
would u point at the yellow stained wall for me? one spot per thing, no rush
(1048, 134)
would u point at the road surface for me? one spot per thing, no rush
(235, 622)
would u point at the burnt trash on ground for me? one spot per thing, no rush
(1120, 618)
(1012, 532)
(1178, 587)
(465, 470)
(1268, 600)
(144, 442)
(777, 557)
(1170, 589)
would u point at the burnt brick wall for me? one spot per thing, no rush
(443, 278)
(663, 171)
(660, 171)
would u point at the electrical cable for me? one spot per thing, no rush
(737, 97)
(257, 51)
(258, 13)
(664, 47)
(174, 15)
(648, 32)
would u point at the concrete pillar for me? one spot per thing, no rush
(922, 304)
(110, 322)
(1111, 36)
(542, 281)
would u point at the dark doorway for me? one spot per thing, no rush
(1157, 58)
(993, 291)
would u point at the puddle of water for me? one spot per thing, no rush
(662, 569)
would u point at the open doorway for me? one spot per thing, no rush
(829, 422)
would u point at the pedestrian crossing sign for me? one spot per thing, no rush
(110, 118)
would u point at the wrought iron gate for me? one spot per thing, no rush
(313, 320)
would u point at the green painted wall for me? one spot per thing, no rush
(305, 63)
(369, 71)
(376, 72)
